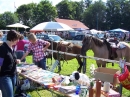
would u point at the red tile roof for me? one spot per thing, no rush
(72, 23)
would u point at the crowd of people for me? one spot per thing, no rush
(12, 52)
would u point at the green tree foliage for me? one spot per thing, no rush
(126, 16)
(94, 16)
(25, 13)
(44, 12)
(70, 10)
(77, 10)
(64, 9)
(87, 3)
(33, 14)
(7, 18)
(118, 12)
(113, 14)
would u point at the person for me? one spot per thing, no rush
(20, 47)
(8, 63)
(1, 35)
(38, 48)
(105, 35)
(124, 38)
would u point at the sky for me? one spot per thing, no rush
(9, 5)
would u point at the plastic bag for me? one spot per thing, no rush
(124, 78)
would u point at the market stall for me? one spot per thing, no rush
(62, 84)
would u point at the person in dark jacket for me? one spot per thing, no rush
(8, 63)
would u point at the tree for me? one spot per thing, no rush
(7, 18)
(33, 14)
(64, 10)
(25, 13)
(125, 16)
(87, 3)
(94, 16)
(44, 12)
(70, 10)
(113, 14)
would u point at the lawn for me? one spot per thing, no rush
(67, 68)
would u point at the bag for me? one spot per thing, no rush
(21, 89)
(125, 78)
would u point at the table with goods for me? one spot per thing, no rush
(65, 84)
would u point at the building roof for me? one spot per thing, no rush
(72, 23)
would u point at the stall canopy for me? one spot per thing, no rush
(51, 26)
(18, 25)
(118, 30)
(93, 31)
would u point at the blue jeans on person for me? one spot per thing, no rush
(7, 85)
(41, 63)
(20, 54)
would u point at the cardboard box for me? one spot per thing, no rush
(105, 74)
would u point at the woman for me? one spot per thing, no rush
(8, 63)
(20, 47)
(38, 48)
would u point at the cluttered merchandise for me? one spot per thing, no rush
(102, 84)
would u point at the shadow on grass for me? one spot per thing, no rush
(40, 91)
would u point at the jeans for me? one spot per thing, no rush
(41, 63)
(20, 54)
(7, 85)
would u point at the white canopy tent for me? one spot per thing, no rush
(18, 25)
(93, 31)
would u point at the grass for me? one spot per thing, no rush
(67, 68)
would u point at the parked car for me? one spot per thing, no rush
(71, 34)
(78, 37)
(47, 37)
(55, 38)
(43, 36)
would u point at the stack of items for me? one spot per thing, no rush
(37, 74)
(60, 81)
(77, 80)
(105, 75)
(104, 91)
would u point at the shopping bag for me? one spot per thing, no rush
(124, 78)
